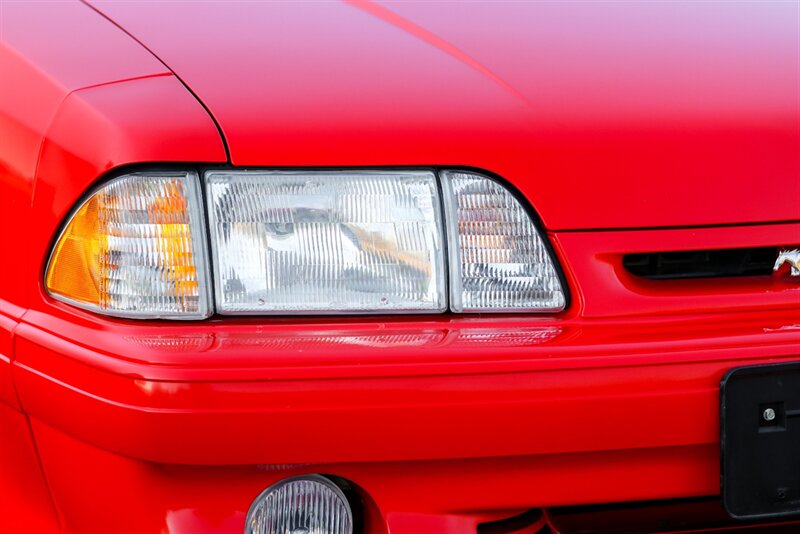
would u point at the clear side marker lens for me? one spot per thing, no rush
(498, 260)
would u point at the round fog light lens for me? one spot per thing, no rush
(303, 505)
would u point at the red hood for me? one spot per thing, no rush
(604, 115)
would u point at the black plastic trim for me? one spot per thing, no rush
(704, 263)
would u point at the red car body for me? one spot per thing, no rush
(629, 127)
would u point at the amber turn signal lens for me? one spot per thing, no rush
(135, 248)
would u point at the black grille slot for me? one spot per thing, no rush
(702, 263)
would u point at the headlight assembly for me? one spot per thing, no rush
(303, 242)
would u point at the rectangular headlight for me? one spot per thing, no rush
(326, 242)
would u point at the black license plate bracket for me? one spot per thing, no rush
(760, 440)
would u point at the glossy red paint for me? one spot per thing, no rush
(47, 51)
(672, 113)
(622, 117)
(26, 505)
(7, 393)
(607, 289)
(376, 393)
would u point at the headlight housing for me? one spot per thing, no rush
(303, 242)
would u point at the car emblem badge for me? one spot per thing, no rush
(792, 257)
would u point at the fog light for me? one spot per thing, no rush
(304, 505)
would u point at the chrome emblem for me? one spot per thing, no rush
(792, 257)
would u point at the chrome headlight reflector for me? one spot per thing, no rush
(326, 242)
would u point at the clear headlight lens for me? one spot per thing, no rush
(135, 249)
(325, 242)
(310, 504)
(498, 260)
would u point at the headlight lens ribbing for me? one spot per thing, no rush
(326, 242)
(498, 260)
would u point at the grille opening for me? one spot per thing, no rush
(702, 263)
(694, 514)
(698, 514)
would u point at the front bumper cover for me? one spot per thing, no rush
(452, 421)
